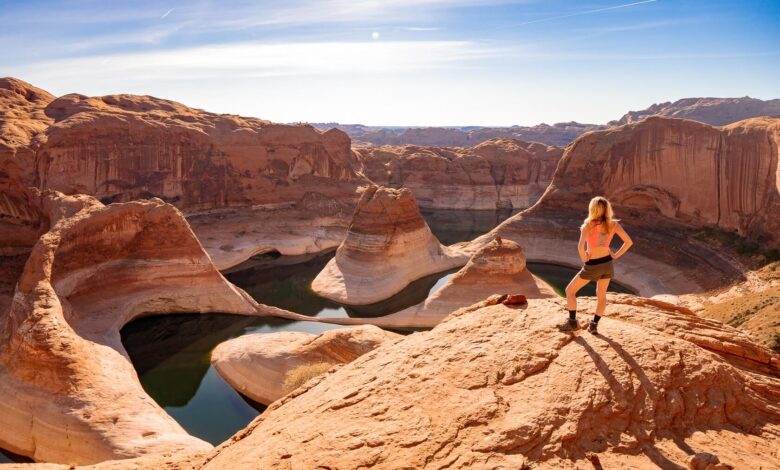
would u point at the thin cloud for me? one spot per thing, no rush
(165, 15)
(420, 28)
(587, 12)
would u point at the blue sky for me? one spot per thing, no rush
(399, 62)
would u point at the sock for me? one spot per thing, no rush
(596, 319)
(572, 314)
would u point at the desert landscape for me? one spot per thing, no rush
(191, 289)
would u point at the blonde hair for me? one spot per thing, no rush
(599, 210)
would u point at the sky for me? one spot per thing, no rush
(399, 62)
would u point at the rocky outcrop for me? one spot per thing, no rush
(497, 268)
(498, 386)
(125, 147)
(256, 365)
(714, 111)
(69, 392)
(559, 134)
(682, 170)
(497, 174)
(388, 245)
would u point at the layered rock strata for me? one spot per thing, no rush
(69, 392)
(497, 174)
(387, 246)
(257, 365)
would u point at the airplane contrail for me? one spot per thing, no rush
(588, 12)
(169, 12)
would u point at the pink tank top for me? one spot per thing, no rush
(598, 238)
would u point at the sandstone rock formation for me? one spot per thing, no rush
(125, 147)
(497, 386)
(497, 174)
(388, 245)
(256, 364)
(560, 134)
(714, 111)
(69, 393)
(683, 170)
(497, 268)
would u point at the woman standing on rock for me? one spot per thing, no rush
(596, 232)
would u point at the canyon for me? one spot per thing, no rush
(119, 207)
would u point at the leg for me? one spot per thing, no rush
(571, 291)
(601, 296)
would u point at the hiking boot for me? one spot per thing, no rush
(569, 325)
(593, 327)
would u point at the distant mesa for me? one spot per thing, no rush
(387, 246)
(713, 111)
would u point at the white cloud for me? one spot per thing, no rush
(259, 60)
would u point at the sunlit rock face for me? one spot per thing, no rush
(496, 174)
(125, 147)
(387, 246)
(499, 386)
(683, 170)
(257, 365)
(69, 393)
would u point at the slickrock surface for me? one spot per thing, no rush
(387, 246)
(499, 173)
(256, 365)
(69, 392)
(495, 386)
(497, 268)
(714, 111)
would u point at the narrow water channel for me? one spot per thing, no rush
(171, 353)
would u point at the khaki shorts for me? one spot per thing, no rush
(601, 268)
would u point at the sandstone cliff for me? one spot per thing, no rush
(499, 173)
(387, 246)
(68, 391)
(685, 171)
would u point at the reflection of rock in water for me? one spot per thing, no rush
(175, 350)
(412, 294)
(453, 226)
(285, 282)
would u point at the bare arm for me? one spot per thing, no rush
(627, 242)
(581, 246)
